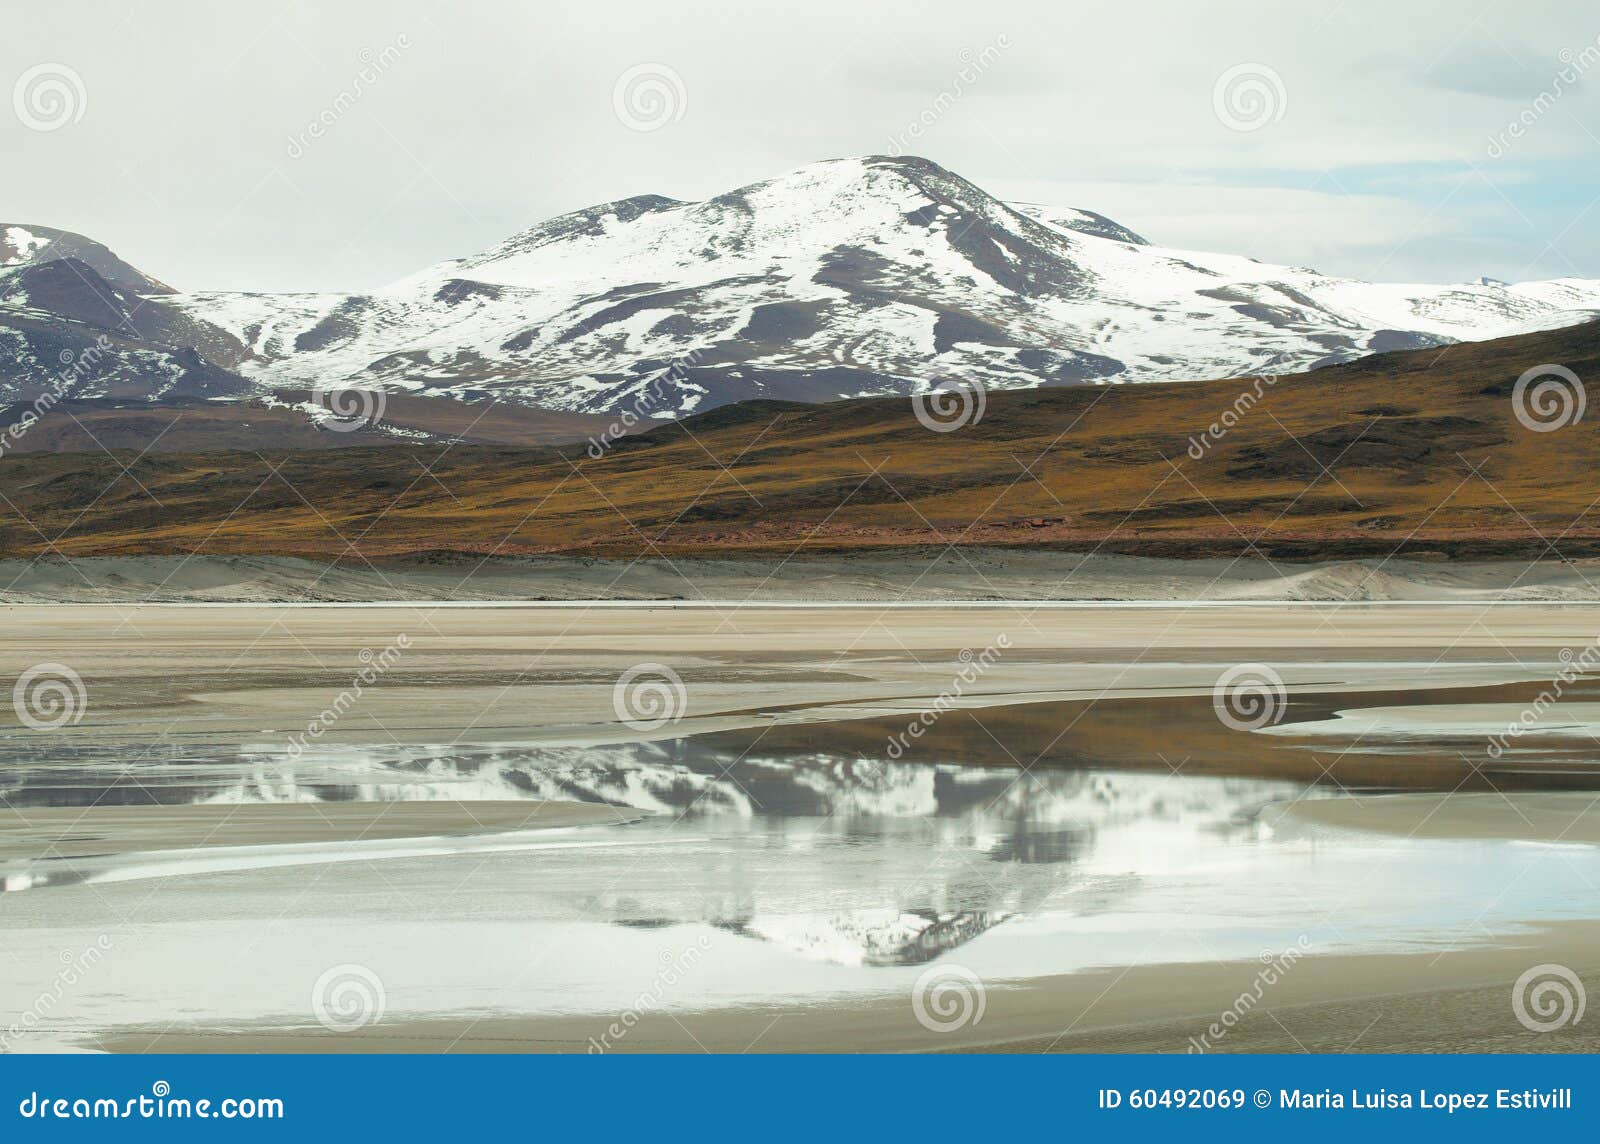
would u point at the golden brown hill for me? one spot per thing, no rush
(1416, 451)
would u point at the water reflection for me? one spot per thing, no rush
(900, 862)
(807, 841)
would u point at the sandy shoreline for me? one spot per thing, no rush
(219, 685)
(1448, 1000)
(979, 573)
(260, 674)
(1522, 815)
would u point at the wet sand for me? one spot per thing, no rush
(1570, 719)
(1450, 1000)
(1555, 817)
(546, 674)
(66, 832)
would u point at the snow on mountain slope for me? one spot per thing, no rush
(1080, 221)
(22, 245)
(68, 331)
(843, 278)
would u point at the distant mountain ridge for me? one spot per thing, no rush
(1431, 451)
(22, 245)
(850, 277)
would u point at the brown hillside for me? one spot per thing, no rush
(1415, 451)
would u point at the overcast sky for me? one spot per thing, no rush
(1361, 138)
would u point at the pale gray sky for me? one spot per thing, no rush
(177, 132)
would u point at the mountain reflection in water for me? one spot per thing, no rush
(948, 851)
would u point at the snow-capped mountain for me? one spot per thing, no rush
(843, 278)
(77, 321)
(34, 245)
(1006, 845)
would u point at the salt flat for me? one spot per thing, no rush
(1079, 828)
(168, 672)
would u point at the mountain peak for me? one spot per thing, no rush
(943, 185)
(23, 244)
(876, 274)
(1082, 222)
